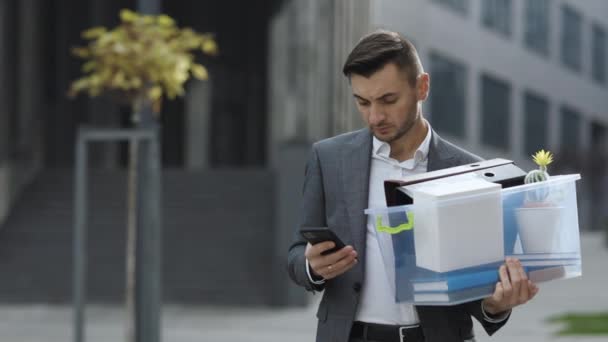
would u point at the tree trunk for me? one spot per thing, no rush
(138, 105)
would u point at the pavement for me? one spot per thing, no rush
(43, 323)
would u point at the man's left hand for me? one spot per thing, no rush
(513, 289)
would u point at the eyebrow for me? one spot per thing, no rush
(383, 97)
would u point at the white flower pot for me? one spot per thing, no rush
(539, 229)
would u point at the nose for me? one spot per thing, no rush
(375, 115)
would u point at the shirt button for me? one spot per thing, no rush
(357, 287)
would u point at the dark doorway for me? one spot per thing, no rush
(238, 119)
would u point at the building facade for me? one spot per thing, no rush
(508, 77)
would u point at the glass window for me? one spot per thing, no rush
(536, 29)
(495, 112)
(461, 6)
(599, 135)
(571, 122)
(448, 94)
(598, 63)
(536, 112)
(572, 34)
(496, 15)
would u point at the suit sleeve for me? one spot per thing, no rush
(312, 215)
(474, 309)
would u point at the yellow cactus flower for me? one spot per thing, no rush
(543, 158)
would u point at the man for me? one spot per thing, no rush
(345, 175)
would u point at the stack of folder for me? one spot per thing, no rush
(479, 282)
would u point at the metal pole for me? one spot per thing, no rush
(149, 248)
(80, 238)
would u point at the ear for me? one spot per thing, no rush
(423, 84)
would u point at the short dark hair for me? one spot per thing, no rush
(380, 48)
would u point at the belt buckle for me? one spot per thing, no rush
(403, 329)
(402, 334)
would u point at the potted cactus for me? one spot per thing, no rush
(539, 219)
(537, 197)
(542, 158)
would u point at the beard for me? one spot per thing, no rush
(404, 127)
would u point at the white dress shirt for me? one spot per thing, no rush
(377, 304)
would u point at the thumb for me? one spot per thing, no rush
(498, 292)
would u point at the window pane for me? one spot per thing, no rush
(536, 111)
(570, 129)
(447, 96)
(536, 33)
(495, 111)
(598, 67)
(461, 6)
(571, 38)
(496, 15)
(599, 135)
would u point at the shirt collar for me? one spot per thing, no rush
(383, 149)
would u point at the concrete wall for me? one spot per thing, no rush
(309, 98)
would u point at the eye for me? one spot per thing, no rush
(389, 100)
(363, 103)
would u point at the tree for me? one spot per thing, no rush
(139, 62)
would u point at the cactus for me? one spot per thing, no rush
(542, 158)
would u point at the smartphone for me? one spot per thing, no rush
(315, 235)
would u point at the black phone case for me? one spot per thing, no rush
(317, 235)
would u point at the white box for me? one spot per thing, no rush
(459, 223)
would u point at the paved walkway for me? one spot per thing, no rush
(53, 323)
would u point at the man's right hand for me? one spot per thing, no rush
(331, 265)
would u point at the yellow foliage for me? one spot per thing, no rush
(155, 93)
(94, 32)
(128, 16)
(199, 72)
(209, 47)
(165, 20)
(143, 57)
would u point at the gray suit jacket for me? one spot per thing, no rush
(335, 194)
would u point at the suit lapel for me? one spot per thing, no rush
(356, 161)
(439, 156)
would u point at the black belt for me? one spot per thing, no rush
(387, 333)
